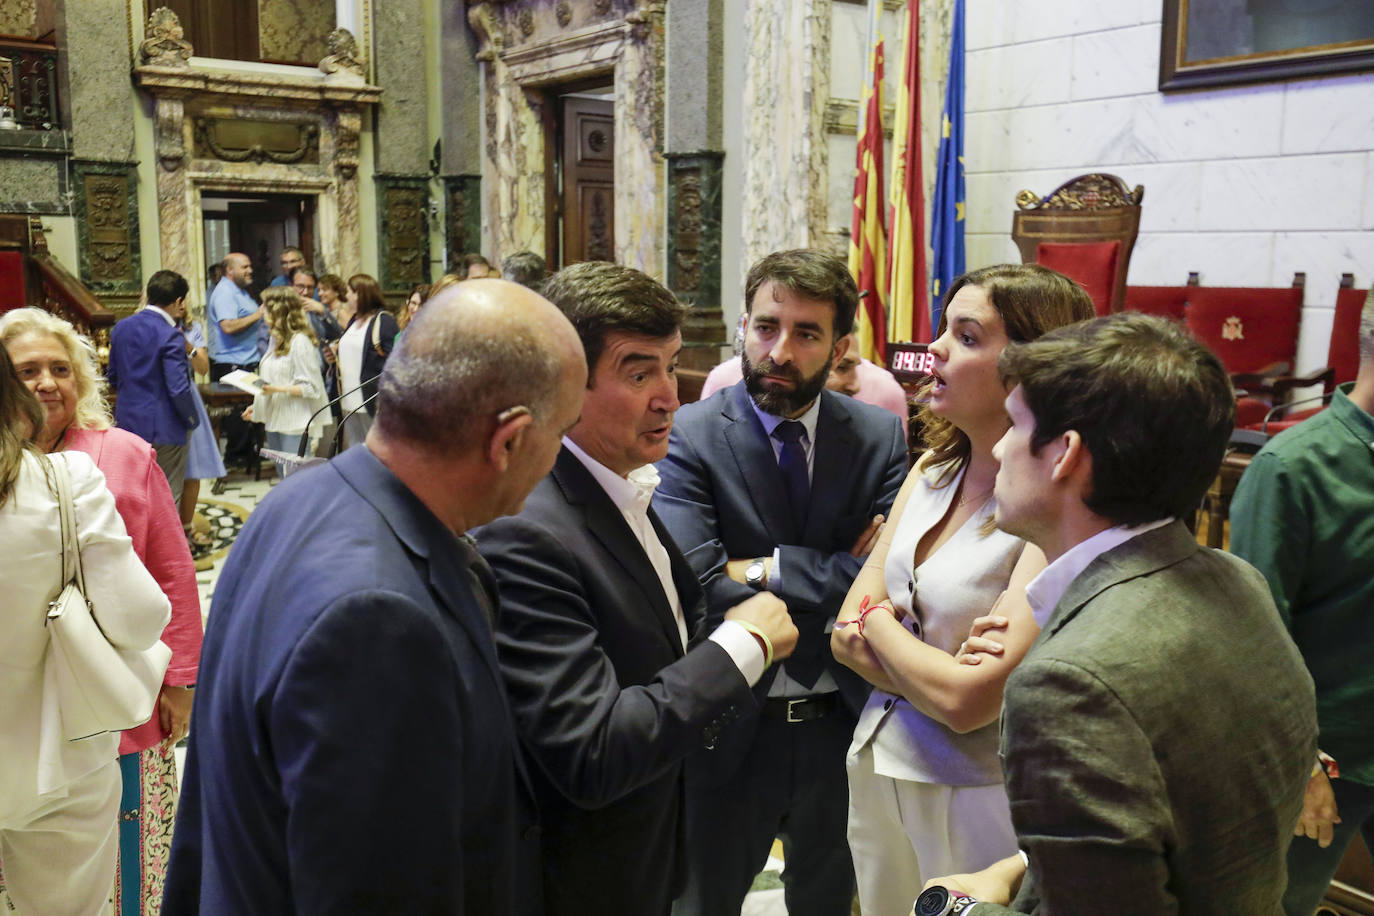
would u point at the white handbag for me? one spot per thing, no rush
(100, 687)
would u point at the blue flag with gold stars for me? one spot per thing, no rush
(947, 218)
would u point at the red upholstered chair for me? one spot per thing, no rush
(1254, 330)
(1085, 228)
(1091, 264)
(1342, 359)
(1164, 301)
(12, 293)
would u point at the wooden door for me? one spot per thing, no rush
(261, 229)
(588, 180)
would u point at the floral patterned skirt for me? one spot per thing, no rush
(147, 810)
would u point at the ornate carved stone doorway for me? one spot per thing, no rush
(529, 47)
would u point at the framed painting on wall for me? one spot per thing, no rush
(1228, 42)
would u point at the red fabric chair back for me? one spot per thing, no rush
(1164, 301)
(11, 280)
(1344, 352)
(1254, 330)
(1092, 265)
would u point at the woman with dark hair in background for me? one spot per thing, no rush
(60, 817)
(925, 783)
(363, 350)
(419, 293)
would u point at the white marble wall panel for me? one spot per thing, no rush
(1223, 124)
(1327, 116)
(1014, 76)
(1223, 258)
(849, 51)
(1306, 192)
(1151, 11)
(1314, 339)
(1367, 219)
(983, 250)
(840, 201)
(990, 23)
(1119, 62)
(1172, 193)
(1324, 256)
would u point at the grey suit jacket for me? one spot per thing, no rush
(1157, 738)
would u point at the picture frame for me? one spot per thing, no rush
(1208, 43)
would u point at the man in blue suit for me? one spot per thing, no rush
(151, 376)
(777, 484)
(353, 749)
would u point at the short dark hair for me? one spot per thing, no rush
(599, 297)
(525, 268)
(166, 287)
(811, 274)
(1153, 406)
(292, 248)
(303, 270)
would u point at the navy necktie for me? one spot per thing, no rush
(792, 463)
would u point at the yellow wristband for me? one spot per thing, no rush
(763, 637)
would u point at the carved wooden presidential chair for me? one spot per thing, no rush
(1085, 229)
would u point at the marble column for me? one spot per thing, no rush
(639, 79)
(694, 89)
(349, 254)
(786, 87)
(102, 97)
(173, 189)
(461, 151)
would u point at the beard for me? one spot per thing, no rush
(782, 403)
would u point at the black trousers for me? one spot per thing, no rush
(792, 784)
(240, 436)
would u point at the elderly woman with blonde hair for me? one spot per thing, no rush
(58, 365)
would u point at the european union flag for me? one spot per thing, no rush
(947, 218)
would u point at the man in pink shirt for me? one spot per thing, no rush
(852, 375)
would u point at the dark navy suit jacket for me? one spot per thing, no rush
(353, 749)
(607, 702)
(722, 496)
(149, 372)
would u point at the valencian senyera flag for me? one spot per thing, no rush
(947, 218)
(867, 241)
(906, 239)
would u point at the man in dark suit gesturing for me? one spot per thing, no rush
(353, 750)
(597, 607)
(776, 484)
(1157, 737)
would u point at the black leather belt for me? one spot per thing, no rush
(801, 709)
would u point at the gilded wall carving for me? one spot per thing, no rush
(403, 245)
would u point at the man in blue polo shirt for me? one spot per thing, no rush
(233, 336)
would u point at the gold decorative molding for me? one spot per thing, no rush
(842, 117)
(1096, 191)
(245, 140)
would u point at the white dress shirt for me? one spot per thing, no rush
(1045, 590)
(632, 495)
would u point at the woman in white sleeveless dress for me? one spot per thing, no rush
(925, 783)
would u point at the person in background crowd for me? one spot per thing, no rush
(1303, 514)
(58, 365)
(778, 484)
(333, 293)
(525, 268)
(363, 350)
(925, 785)
(151, 376)
(475, 267)
(852, 375)
(232, 325)
(322, 323)
(292, 387)
(292, 260)
(1157, 736)
(394, 782)
(203, 461)
(418, 294)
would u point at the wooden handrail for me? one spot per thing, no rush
(67, 296)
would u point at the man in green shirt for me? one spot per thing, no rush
(1303, 514)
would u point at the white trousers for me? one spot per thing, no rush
(903, 833)
(59, 858)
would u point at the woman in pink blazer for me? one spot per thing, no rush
(58, 365)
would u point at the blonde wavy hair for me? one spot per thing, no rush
(286, 317)
(92, 410)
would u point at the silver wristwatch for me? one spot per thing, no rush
(939, 901)
(754, 574)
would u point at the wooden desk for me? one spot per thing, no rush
(1217, 502)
